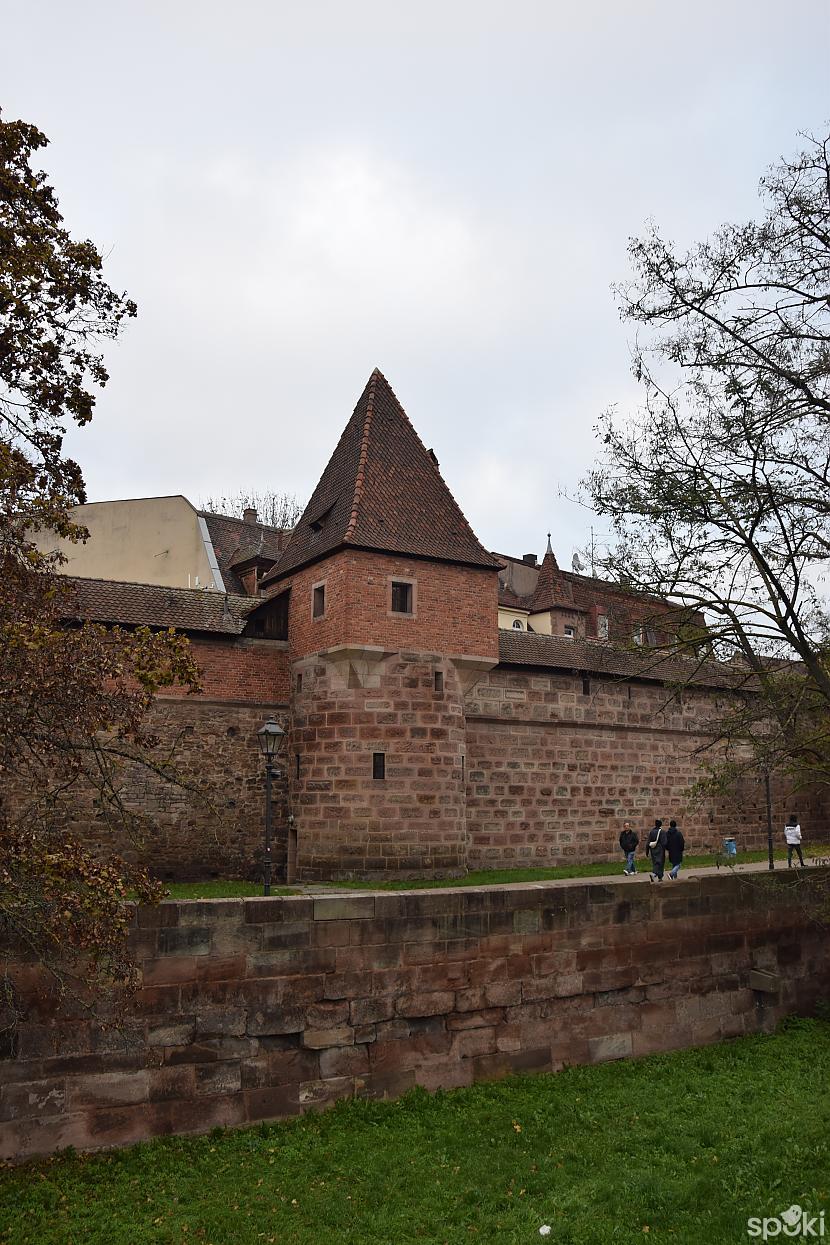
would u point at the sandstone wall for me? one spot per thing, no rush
(556, 762)
(255, 1009)
(349, 823)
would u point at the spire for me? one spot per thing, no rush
(382, 490)
(550, 588)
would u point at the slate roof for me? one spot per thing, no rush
(382, 490)
(151, 605)
(235, 541)
(522, 648)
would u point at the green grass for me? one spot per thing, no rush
(679, 1148)
(220, 889)
(479, 877)
(497, 877)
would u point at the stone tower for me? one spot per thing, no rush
(392, 614)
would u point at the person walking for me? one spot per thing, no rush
(629, 841)
(656, 849)
(675, 845)
(792, 833)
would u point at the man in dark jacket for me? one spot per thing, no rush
(675, 843)
(656, 849)
(628, 842)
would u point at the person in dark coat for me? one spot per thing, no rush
(656, 849)
(629, 839)
(675, 845)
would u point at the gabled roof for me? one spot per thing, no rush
(235, 541)
(151, 605)
(382, 490)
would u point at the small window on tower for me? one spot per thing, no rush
(439, 680)
(602, 626)
(378, 765)
(401, 597)
(318, 605)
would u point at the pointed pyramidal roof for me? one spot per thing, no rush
(551, 589)
(382, 490)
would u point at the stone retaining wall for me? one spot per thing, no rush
(261, 1008)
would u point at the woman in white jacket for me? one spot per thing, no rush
(792, 833)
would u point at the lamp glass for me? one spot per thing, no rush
(270, 736)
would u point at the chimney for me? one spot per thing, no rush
(249, 514)
(529, 559)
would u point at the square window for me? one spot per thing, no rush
(401, 597)
(570, 632)
(318, 606)
(378, 765)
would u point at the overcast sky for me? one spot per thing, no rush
(296, 193)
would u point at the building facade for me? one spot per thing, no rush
(445, 707)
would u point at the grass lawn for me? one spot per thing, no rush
(480, 877)
(679, 1148)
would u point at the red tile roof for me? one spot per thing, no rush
(151, 605)
(235, 541)
(522, 648)
(382, 490)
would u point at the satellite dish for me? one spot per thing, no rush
(576, 564)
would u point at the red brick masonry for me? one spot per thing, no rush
(254, 1009)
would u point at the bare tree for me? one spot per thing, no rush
(718, 488)
(280, 510)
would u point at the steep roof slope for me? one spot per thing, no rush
(382, 490)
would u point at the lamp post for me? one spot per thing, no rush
(770, 852)
(270, 737)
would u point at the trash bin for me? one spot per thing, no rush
(730, 847)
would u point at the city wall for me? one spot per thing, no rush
(264, 1008)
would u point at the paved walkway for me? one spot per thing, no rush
(616, 875)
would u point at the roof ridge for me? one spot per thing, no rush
(360, 477)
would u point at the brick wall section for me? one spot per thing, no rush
(456, 607)
(236, 669)
(256, 1009)
(552, 772)
(210, 825)
(411, 823)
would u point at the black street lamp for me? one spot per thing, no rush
(270, 737)
(770, 849)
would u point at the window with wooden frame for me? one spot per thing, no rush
(402, 596)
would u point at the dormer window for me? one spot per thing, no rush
(320, 522)
(570, 633)
(518, 625)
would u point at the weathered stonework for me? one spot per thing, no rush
(556, 762)
(257, 1009)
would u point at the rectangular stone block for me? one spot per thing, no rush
(611, 1046)
(319, 1039)
(317, 1095)
(272, 1102)
(432, 1003)
(106, 1089)
(344, 908)
(32, 1098)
